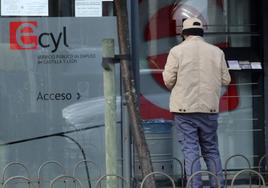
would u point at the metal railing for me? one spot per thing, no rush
(203, 172)
(14, 164)
(24, 177)
(26, 181)
(263, 173)
(75, 181)
(45, 164)
(250, 172)
(161, 173)
(98, 183)
(226, 165)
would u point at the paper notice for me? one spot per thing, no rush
(245, 64)
(256, 65)
(24, 7)
(234, 65)
(88, 8)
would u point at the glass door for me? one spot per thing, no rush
(230, 25)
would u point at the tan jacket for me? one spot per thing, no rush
(194, 72)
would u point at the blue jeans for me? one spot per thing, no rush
(197, 131)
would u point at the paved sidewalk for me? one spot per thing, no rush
(235, 186)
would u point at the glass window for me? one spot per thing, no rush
(52, 103)
(227, 24)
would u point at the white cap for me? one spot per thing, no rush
(192, 23)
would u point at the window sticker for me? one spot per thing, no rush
(24, 7)
(88, 8)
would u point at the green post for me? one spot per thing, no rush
(110, 113)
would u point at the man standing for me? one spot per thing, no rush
(195, 72)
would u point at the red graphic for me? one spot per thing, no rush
(167, 28)
(22, 35)
(220, 3)
(163, 25)
(230, 100)
(149, 110)
(167, 22)
(158, 62)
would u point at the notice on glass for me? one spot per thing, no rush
(256, 65)
(234, 65)
(24, 7)
(245, 64)
(88, 8)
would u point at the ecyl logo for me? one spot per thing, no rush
(23, 36)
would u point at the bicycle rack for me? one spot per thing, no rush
(202, 172)
(17, 177)
(86, 161)
(75, 180)
(88, 177)
(214, 162)
(247, 170)
(226, 163)
(259, 166)
(182, 170)
(45, 164)
(11, 164)
(134, 182)
(161, 173)
(98, 183)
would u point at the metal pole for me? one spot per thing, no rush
(110, 113)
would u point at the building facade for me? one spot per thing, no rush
(51, 84)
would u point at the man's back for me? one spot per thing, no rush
(194, 72)
(199, 68)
